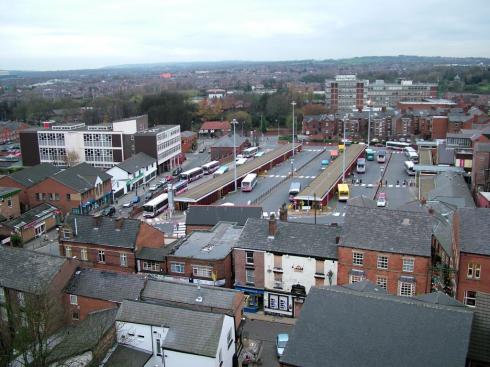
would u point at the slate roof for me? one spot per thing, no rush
(210, 215)
(105, 285)
(31, 216)
(124, 356)
(32, 175)
(189, 331)
(26, 270)
(227, 142)
(474, 230)
(452, 188)
(8, 191)
(153, 254)
(291, 238)
(362, 201)
(320, 118)
(104, 232)
(480, 333)
(386, 230)
(168, 292)
(136, 162)
(81, 177)
(188, 134)
(348, 328)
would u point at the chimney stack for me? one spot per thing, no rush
(98, 220)
(272, 225)
(283, 213)
(118, 222)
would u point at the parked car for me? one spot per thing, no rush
(202, 150)
(177, 171)
(148, 196)
(135, 199)
(163, 180)
(153, 187)
(281, 341)
(129, 204)
(381, 199)
(110, 211)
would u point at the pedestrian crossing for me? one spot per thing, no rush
(313, 150)
(284, 176)
(179, 229)
(375, 185)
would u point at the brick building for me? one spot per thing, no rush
(224, 147)
(472, 253)
(9, 203)
(320, 126)
(27, 178)
(30, 280)
(204, 256)
(480, 174)
(189, 141)
(9, 130)
(215, 128)
(276, 263)
(107, 243)
(77, 189)
(91, 290)
(394, 253)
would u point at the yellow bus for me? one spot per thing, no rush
(343, 191)
(341, 148)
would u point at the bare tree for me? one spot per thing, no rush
(72, 158)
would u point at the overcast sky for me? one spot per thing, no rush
(53, 35)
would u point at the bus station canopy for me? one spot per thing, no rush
(437, 169)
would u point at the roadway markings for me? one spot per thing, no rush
(284, 176)
(313, 150)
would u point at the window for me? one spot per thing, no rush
(2, 295)
(283, 303)
(355, 278)
(382, 282)
(470, 298)
(21, 298)
(474, 271)
(123, 258)
(68, 197)
(68, 251)
(83, 254)
(202, 271)
(73, 299)
(9, 202)
(151, 265)
(250, 277)
(406, 289)
(382, 262)
(177, 267)
(101, 256)
(277, 261)
(357, 258)
(408, 264)
(229, 338)
(249, 257)
(75, 315)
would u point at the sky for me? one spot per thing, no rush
(60, 35)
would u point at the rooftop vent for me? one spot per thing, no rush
(199, 299)
(406, 222)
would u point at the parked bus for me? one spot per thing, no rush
(210, 167)
(250, 152)
(220, 171)
(343, 192)
(413, 156)
(370, 154)
(240, 161)
(361, 165)
(192, 174)
(294, 190)
(341, 148)
(179, 187)
(155, 206)
(381, 156)
(396, 145)
(409, 168)
(325, 163)
(249, 182)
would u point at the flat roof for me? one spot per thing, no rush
(324, 182)
(437, 169)
(425, 157)
(206, 188)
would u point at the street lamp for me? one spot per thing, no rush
(277, 122)
(234, 122)
(369, 123)
(343, 154)
(293, 103)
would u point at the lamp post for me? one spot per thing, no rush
(369, 123)
(293, 103)
(234, 122)
(277, 122)
(343, 154)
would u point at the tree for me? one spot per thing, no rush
(168, 108)
(314, 109)
(263, 125)
(72, 158)
(16, 240)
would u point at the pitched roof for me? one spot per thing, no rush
(168, 292)
(136, 162)
(105, 285)
(154, 254)
(128, 356)
(473, 230)
(386, 230)
(8, 191)
(32, 175)
(188, 134)
(37, 213)
(81, 177)
(347, 327)
(210, 215)
(227, 142)
(103, 230)
(291, 238)
(188, 331)
(362, 201)
(216, 125)
(26, 270)
(480, 333)
(452, 188)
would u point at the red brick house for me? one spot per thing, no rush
(215, 128)
(27, 178)
(9, 203)
(107, 243)
(77, 189)
(224, 147)
(92, 290)
(471, 228)
(391, 248)
(188, 141)
(321, 126)
(9, 130)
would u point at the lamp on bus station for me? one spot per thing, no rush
(293, 103)
(234, 122)
(369, 122)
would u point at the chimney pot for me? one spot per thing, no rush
(272, 225)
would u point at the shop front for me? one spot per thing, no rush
(254, 299)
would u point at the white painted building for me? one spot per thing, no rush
(176, 337)
(133, 172)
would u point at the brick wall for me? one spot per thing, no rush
(395, 262)
(30, 233)
(12, 211)
(149, 236)
(439, 127)
(190, 229)
(48, 186)
(472, 284)
(85, 306)
(6, 181)
(240, 267)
